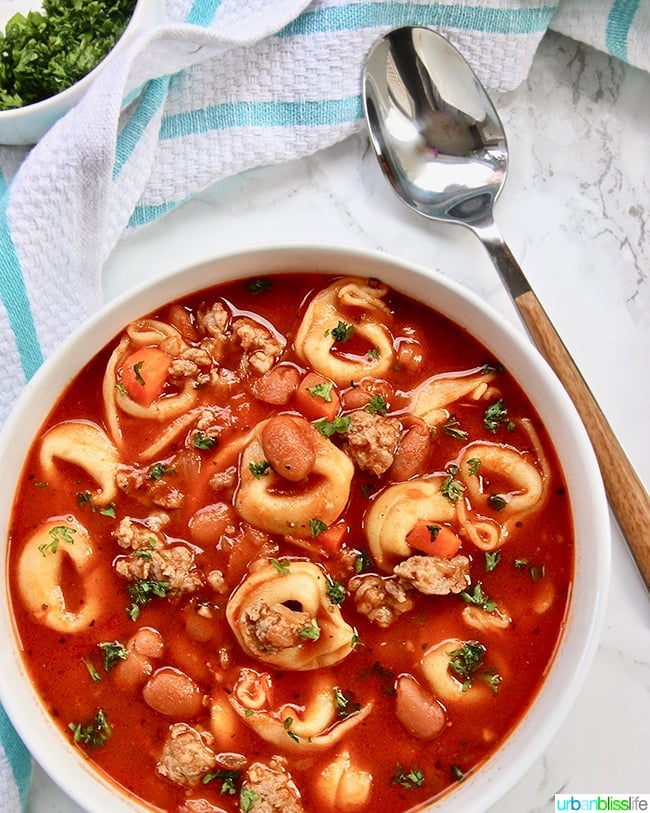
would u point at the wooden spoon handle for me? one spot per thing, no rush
(625, 491)
(627, 496)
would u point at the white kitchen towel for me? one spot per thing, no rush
(226, 85)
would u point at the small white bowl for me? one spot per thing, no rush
(64, 763)
(25, 125)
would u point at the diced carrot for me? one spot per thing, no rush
(331, 539)
(144, 374)
(433, 539)
(316, 397)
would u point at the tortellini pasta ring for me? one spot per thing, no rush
(290, 583)
(344, 787)
(442, 683)
(437, 393)
(40, 575)
(316, 335)
(394, 514)
(85, 445)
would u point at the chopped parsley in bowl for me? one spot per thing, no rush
(50, 53)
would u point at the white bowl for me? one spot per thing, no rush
(525, 745)
(25, 125)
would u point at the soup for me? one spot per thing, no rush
(292, 543)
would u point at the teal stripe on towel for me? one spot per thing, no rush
(372, 15)
(202, 12)
(262, 114)
(18, 756)
(151, 100)
(16, 302)
(619, 22)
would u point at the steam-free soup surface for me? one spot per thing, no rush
(292, 543)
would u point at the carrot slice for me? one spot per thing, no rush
(144, 374)
(316, 397)
(433, 539)
(332, 539)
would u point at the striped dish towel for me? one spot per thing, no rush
(226, 85)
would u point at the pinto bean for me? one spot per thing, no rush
(277, 385)
(417, 710)
(412, 451)
(211, 522)
(289, 446)
(147, 641)
(173, 693)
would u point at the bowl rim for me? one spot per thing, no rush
(585, 617)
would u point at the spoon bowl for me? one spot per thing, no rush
(441, 145)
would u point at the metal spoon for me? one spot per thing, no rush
(441, 144)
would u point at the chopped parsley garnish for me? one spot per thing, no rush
(281, 565)
(83, 498)
(477, 598)
(473, 465)
(144, 591)
(159, 470)
(47, 50)
(452, 489)
(247, 798)
(345, 703)
(492, 367)
(467, 664)
(496, 415)
(259, 468)
(322, 390)
(261, 285)
(434, 530)
(537, 572)
(411, 778)
(362, 563)
(288, 722)
(311, 631)
(377, 405)
(229, 780)
(456, 772)
(138, 375)
(452, 428)
(336, 592)
(317, 526)
(94, 733)
(90, 666)
(372, 354)
(342, 332)
(492, 559)
(203, 441)
(339, 425)
(113, 651)
(497, 502)
(57, 534)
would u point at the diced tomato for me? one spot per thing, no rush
(316, 397)
(144, 374)
(433, 539)
(331, 539)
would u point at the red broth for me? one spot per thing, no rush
(493, 619)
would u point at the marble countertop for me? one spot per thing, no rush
(576, 213)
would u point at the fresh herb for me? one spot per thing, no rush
(452, 489)
(281, 565)
(229, 780)
(322, 390)
(537, 572)
(492, 559)
(497, 502)
(478, 598)
(288, 722)
(362, 562)
(159, 470)
(339, 425)
(47, 51)
(434, 530)
(336, 592)
(345, 703)
(496, 415)
(259, 469)
(203, 441)
(311, 631)
(144, 591)
(467, 664)
(342, 332)
(377, 405)
(94, 733)
(492, 367)
(113, 652)
(457, 773)
(90, 666)
(83, 498)
(247, 798)
(473, 465)
(317, 526)
(138, 375)
(57, 534)
(412, 778)
(452, 428)
(261, 285)
(372, 354)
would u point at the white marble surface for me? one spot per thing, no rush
(576, 213)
